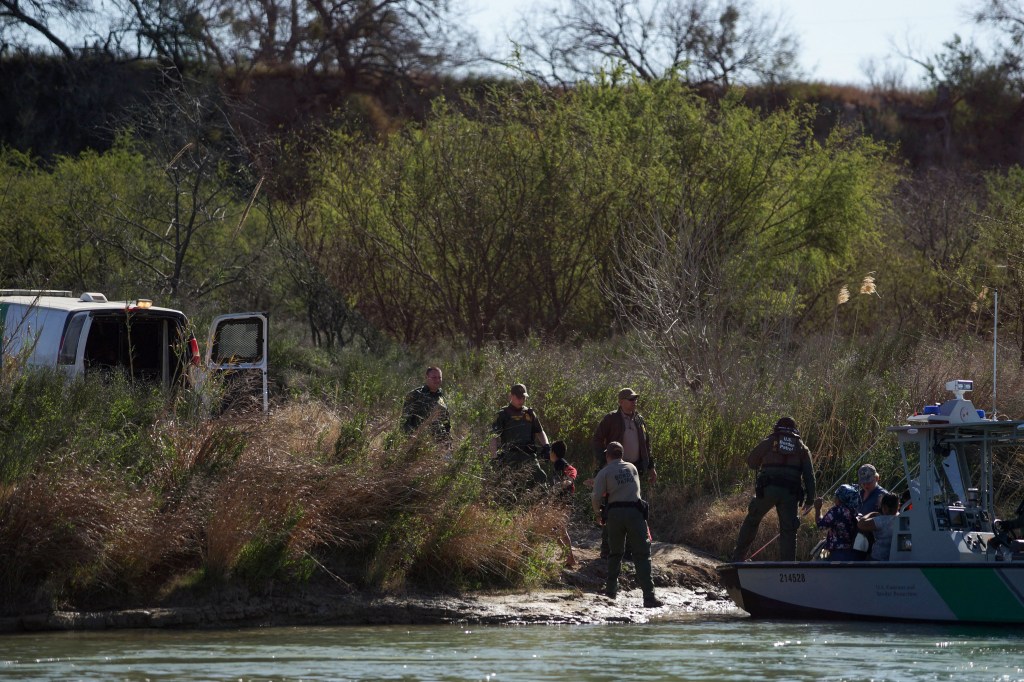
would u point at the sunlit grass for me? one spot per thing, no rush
(112, 494)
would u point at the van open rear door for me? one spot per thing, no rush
(237, 350)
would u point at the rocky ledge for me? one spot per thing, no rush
(685, 580)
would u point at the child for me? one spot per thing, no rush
(564, 484)
(881, 524)
(841, 523)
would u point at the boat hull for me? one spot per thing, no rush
(953, 592)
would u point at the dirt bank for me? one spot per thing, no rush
(686, 581)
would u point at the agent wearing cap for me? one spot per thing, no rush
(870, 492)
(782, 461)
(618, 484)
(517, 431)
(626, 426)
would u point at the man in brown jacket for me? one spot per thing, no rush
(626, 426)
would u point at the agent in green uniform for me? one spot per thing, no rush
(426, 404)
(517, 433)
(782, 461)
(618, 485)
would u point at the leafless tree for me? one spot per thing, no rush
(183, 33)
(703, 41)
(366, 41)
(183, 222)
(673, 296)
(41, 17)
(212, 192)
(1005, 15)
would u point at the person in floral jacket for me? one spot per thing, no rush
(840, 523)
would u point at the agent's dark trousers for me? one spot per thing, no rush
(785, 504)
(628, 524)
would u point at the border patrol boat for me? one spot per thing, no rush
(951, 559)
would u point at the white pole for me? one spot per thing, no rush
(995, 345)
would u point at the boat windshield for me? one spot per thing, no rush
(968, 474)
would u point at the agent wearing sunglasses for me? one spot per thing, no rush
(627, 426)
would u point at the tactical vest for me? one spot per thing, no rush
(783, 463)
(516, 429)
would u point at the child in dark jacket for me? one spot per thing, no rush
(563, 482)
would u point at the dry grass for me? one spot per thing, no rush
(487, 545)
(259, 500)
(712, 524)
(76, 530)
(318, 489)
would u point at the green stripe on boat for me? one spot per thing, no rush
(986, 598)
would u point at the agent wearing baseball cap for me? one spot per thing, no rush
(516, 431)
(616, 497)
(626, 426)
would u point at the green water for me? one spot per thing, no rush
(701, 648)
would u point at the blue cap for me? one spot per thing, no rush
(848, 495)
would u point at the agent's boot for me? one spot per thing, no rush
(652, 602)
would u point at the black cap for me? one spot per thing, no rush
(519, 391)
(786, 424)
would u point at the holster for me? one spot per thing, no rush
(765, 479)
(760, 483)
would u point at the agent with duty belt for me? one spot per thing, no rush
(619, 483)
(782, 461)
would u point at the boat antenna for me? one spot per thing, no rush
(995, 346)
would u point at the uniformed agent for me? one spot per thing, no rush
(427, 404)
(783, 462)
(516, 433)
(617, 485)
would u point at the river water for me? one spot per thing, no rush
(729, 647)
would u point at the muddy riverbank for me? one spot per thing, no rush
(685, 580)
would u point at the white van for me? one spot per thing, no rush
(91, 334)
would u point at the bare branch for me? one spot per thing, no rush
(703, 41)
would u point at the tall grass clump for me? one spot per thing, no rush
(257, 501)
